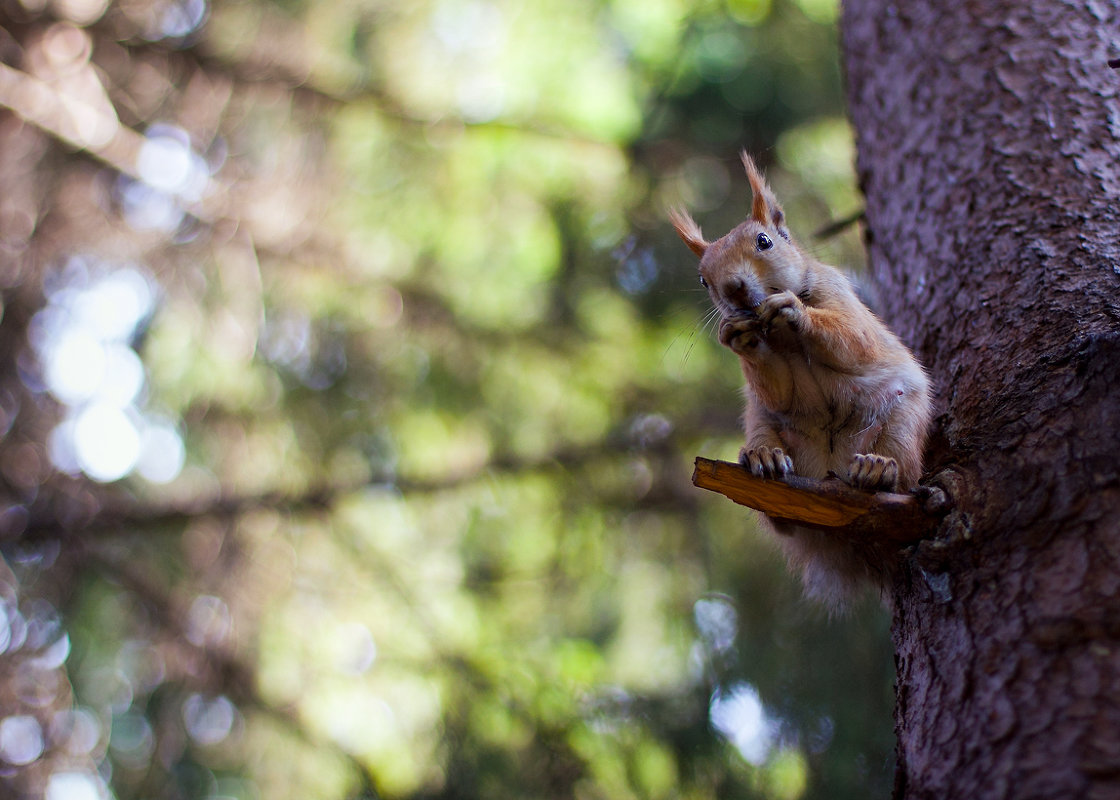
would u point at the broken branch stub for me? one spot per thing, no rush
(828, 504)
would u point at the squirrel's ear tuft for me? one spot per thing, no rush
(688, 230)
(765, 208)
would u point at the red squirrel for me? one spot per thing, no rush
(829, 388)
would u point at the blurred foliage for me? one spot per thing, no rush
(399, 504)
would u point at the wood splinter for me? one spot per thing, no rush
(828, 504)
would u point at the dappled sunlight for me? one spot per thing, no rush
(353, 380)
(170, 178)
(209, 720)
(21, 739)
(739, 716)
(85, 360)
(75, 786)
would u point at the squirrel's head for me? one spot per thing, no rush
(753, 261)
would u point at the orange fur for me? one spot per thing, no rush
(829, 388)
(688, 230)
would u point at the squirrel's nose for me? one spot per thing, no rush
(735, 292)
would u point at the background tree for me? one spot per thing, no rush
(350, 379)
(988, 152)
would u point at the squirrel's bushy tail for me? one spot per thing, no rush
(833, 572)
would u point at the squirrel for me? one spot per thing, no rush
(829, 388)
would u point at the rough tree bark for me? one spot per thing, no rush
(989, 151)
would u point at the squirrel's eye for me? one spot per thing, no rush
(763, 241)
(703, 282)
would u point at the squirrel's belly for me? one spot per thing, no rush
(819, 451)
(824, 437)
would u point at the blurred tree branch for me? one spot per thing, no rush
(121, 512)
(283, 68)
(213, 668)
(70, 119)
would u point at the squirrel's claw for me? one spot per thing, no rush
(873, 473)
(766, 462)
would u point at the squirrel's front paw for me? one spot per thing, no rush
(873, 473)
(740, 334)
(766, 462)
(783, 306)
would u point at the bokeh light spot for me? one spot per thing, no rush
(208, 721)
(354, 649)
(161, 452)
(148, 209)
(106, 442)
(21, 739)
(123, 378)
(13, 627)
(54, 655)
(78, 730)
(183, 18)
(83, 341)
(75, 367)
(132, 739)
(113, 306)
(717, 621)
(74, 786)
(208, 622)
(167, 163)
(739, 717)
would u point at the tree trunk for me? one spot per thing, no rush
(989, 151)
